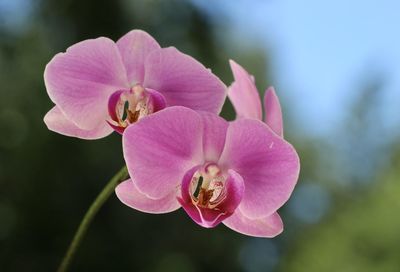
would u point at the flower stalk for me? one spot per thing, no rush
(89, 216)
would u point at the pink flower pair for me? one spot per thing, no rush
(179, 153)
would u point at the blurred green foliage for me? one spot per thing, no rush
(361, 235)
(48, 180)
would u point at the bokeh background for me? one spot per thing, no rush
(336, 68)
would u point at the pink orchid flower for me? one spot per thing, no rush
(245, 99)
(238, 173)
(99, 86)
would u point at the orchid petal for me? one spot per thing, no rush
(81, 80)
(160, 149)
(269, 226)
(234, 192)
(268, 164)
(204, 217)
(214, 135)
(132, 197)
(134, 47)
(183, 81)
(57, 122)
(112, 104)
(157, 100)
(243, 94)
(273, 112)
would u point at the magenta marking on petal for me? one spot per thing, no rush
(190, 210)
(206, 218)
(211, 218)
(112, 105)
(118, 129)
(186, 183)
(235, 190)
(157, 100)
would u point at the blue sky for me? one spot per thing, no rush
(322, 50)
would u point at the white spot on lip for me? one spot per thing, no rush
(271, 145)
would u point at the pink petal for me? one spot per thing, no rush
(269, 226)
(134, 47)
(273, 112)
(57, 122)
(160, 149)
(81, 80)
(157, 99)
(132, 197)
(214, 135)
(204, 217)
(210, 218)
(183, 81)
(185, 183)
(243, 94)
(235, 190)
(112, 104)
(268, 164)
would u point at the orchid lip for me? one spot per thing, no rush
(207, 187)
(210, 194)
(126, 107)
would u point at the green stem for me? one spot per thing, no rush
(88, 218)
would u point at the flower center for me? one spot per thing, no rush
(207, 187)
(127, 107)
(132, 106)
